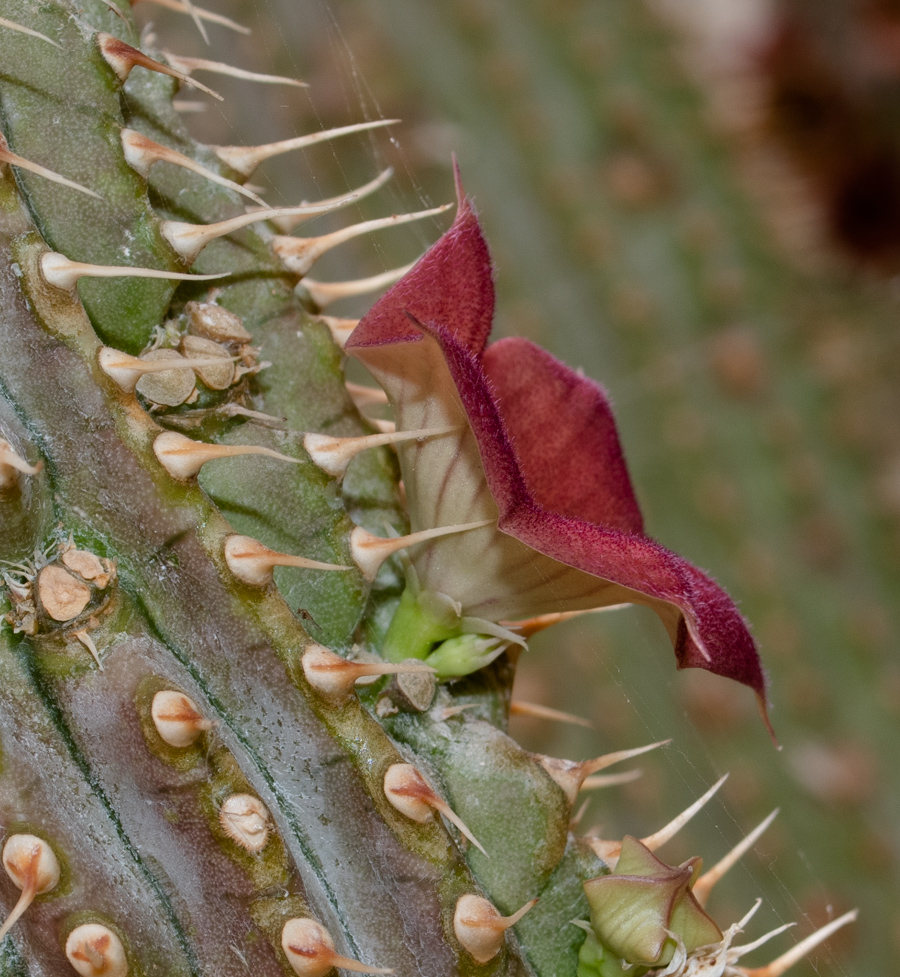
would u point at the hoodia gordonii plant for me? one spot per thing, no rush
(254, 687)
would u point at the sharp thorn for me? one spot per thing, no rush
(704, 885)
(11, 459)
(287, 224)
(300, 254)
(7, 156)
(207, 15)
(570, 775)
(115, 9)
(88, 643)
(324, 293)
(254, 564)
(33, 867)
(533, 625)
(532, 709)
(777, 967)
(335, 677)
(245, 159)
(408, 791)
(190, 239)
(195, 17)
(740, 951)
(183, 458)
(609, 850)
(62, 273)
(27, 30)
(333, 455)
(122, 58)
(369, 551)
(659, 838)
(266, 420)
(448, 712)
(187, 65)
(186, 105)
(141, 153)
(578, 816)
(126, 370)
(364, 396)
(601, 780)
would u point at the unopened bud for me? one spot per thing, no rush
(645, 908)
(465, 654)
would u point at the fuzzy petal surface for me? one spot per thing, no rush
(537, 450)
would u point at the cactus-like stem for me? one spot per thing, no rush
(230, 742)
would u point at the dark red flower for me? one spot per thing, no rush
(534, 449)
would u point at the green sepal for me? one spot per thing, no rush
(422, 619)
(464, 654)
(636, 908)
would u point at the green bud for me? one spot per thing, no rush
(634, 909)
(422, 619)
(465, 654)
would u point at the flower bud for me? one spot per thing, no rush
(465, 654)
(636, 910)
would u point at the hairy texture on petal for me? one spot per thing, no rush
(451, 283)
(706, 629)
(545, 460)
(564, 433)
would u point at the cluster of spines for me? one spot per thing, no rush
(177, 719)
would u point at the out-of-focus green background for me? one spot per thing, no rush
(648, 227)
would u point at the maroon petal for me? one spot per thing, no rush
(451, 284)
(571, 531)
(705, 627)
(564, 433)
